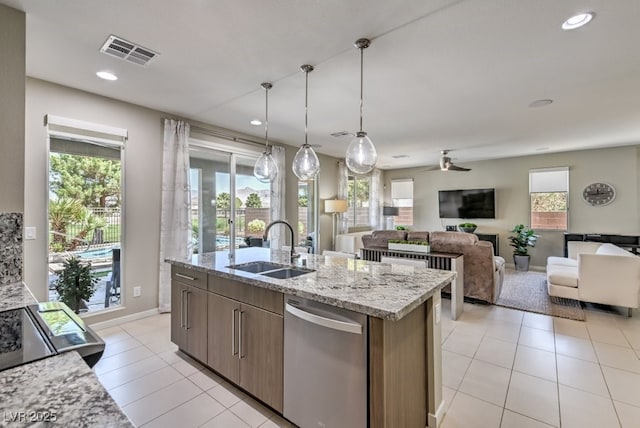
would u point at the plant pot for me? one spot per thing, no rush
(521, 262)
(409, 247)
(467, 229)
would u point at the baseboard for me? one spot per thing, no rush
(434, 421)
(125, 319)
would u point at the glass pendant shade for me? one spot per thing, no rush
(361, 154)
(306, 164)
(265, 169)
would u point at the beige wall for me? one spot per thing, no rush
(617, 166)
(12, 105)
(143, 163)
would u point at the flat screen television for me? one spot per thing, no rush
(469, 203)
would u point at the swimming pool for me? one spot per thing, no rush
(98, 253)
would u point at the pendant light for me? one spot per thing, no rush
(361, 154)
(306, 164)
(265, 169)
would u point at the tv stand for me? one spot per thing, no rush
(628, 242)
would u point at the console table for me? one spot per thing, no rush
(444, 261)
(630, 242)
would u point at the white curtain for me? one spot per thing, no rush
(343, 193)
(175, 221)
(276, 234)
(375, 194)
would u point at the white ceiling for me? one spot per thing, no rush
(440, 74)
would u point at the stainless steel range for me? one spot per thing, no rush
(39, 331)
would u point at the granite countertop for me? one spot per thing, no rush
(377, 289)
(59, 390)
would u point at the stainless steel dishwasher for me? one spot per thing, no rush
(325, 365)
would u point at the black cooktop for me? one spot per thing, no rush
(21, 341)
(42, 330)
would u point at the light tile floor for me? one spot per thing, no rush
(502, 368)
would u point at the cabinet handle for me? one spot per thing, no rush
(233, 332)
(183, 276)
(189, 293)
(182, 309)
(240, 354)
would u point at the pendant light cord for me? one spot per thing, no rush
(266, 86)
(306, 104)
(361, 84)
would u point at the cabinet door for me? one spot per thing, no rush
(196, 323)
(223, 316)
(261, 354)
(178, 309)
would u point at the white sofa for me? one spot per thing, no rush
(597, 273)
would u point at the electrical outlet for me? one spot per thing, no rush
(137, 291)
(438, 312)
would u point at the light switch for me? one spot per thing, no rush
(29, 233)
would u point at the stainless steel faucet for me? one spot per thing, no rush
(266, 232)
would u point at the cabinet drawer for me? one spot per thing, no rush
(255, 296)
(189, 276)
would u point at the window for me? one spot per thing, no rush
(358, 200)
(402, 196)
(548, 191)
(85, 207)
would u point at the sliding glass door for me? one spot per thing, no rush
(229, 206)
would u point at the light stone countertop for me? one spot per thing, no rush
(377, 289)
(60, 390)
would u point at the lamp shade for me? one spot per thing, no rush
(335, 206)
(390, 211)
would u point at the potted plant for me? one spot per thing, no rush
(399, 227)
(522, 238)
(76, 283)
(467, 227)
(413, 246)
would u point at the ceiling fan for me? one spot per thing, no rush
(447, 165)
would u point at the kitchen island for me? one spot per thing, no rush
(402, 305)
(59, 390)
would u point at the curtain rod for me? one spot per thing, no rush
(224, 135)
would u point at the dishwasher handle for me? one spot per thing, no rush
(349, 327)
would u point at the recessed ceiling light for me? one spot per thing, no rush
(106, 75)
(577, 21)
(540, 103)
(256, 122)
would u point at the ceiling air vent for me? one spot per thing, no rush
(128, 51)
(342, 134)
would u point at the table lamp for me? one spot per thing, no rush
(389, 213)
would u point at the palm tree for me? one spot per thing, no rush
(62, 212)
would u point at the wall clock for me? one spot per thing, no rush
(599, 194)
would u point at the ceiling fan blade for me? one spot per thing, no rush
(453, 167)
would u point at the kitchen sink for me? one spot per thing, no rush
(286, 273)
(257, 266)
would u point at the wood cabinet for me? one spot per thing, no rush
(189, 319)
(245, 342)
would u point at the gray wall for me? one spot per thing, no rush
(510, 177)
(12, 107)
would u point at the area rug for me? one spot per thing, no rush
(527, 291)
